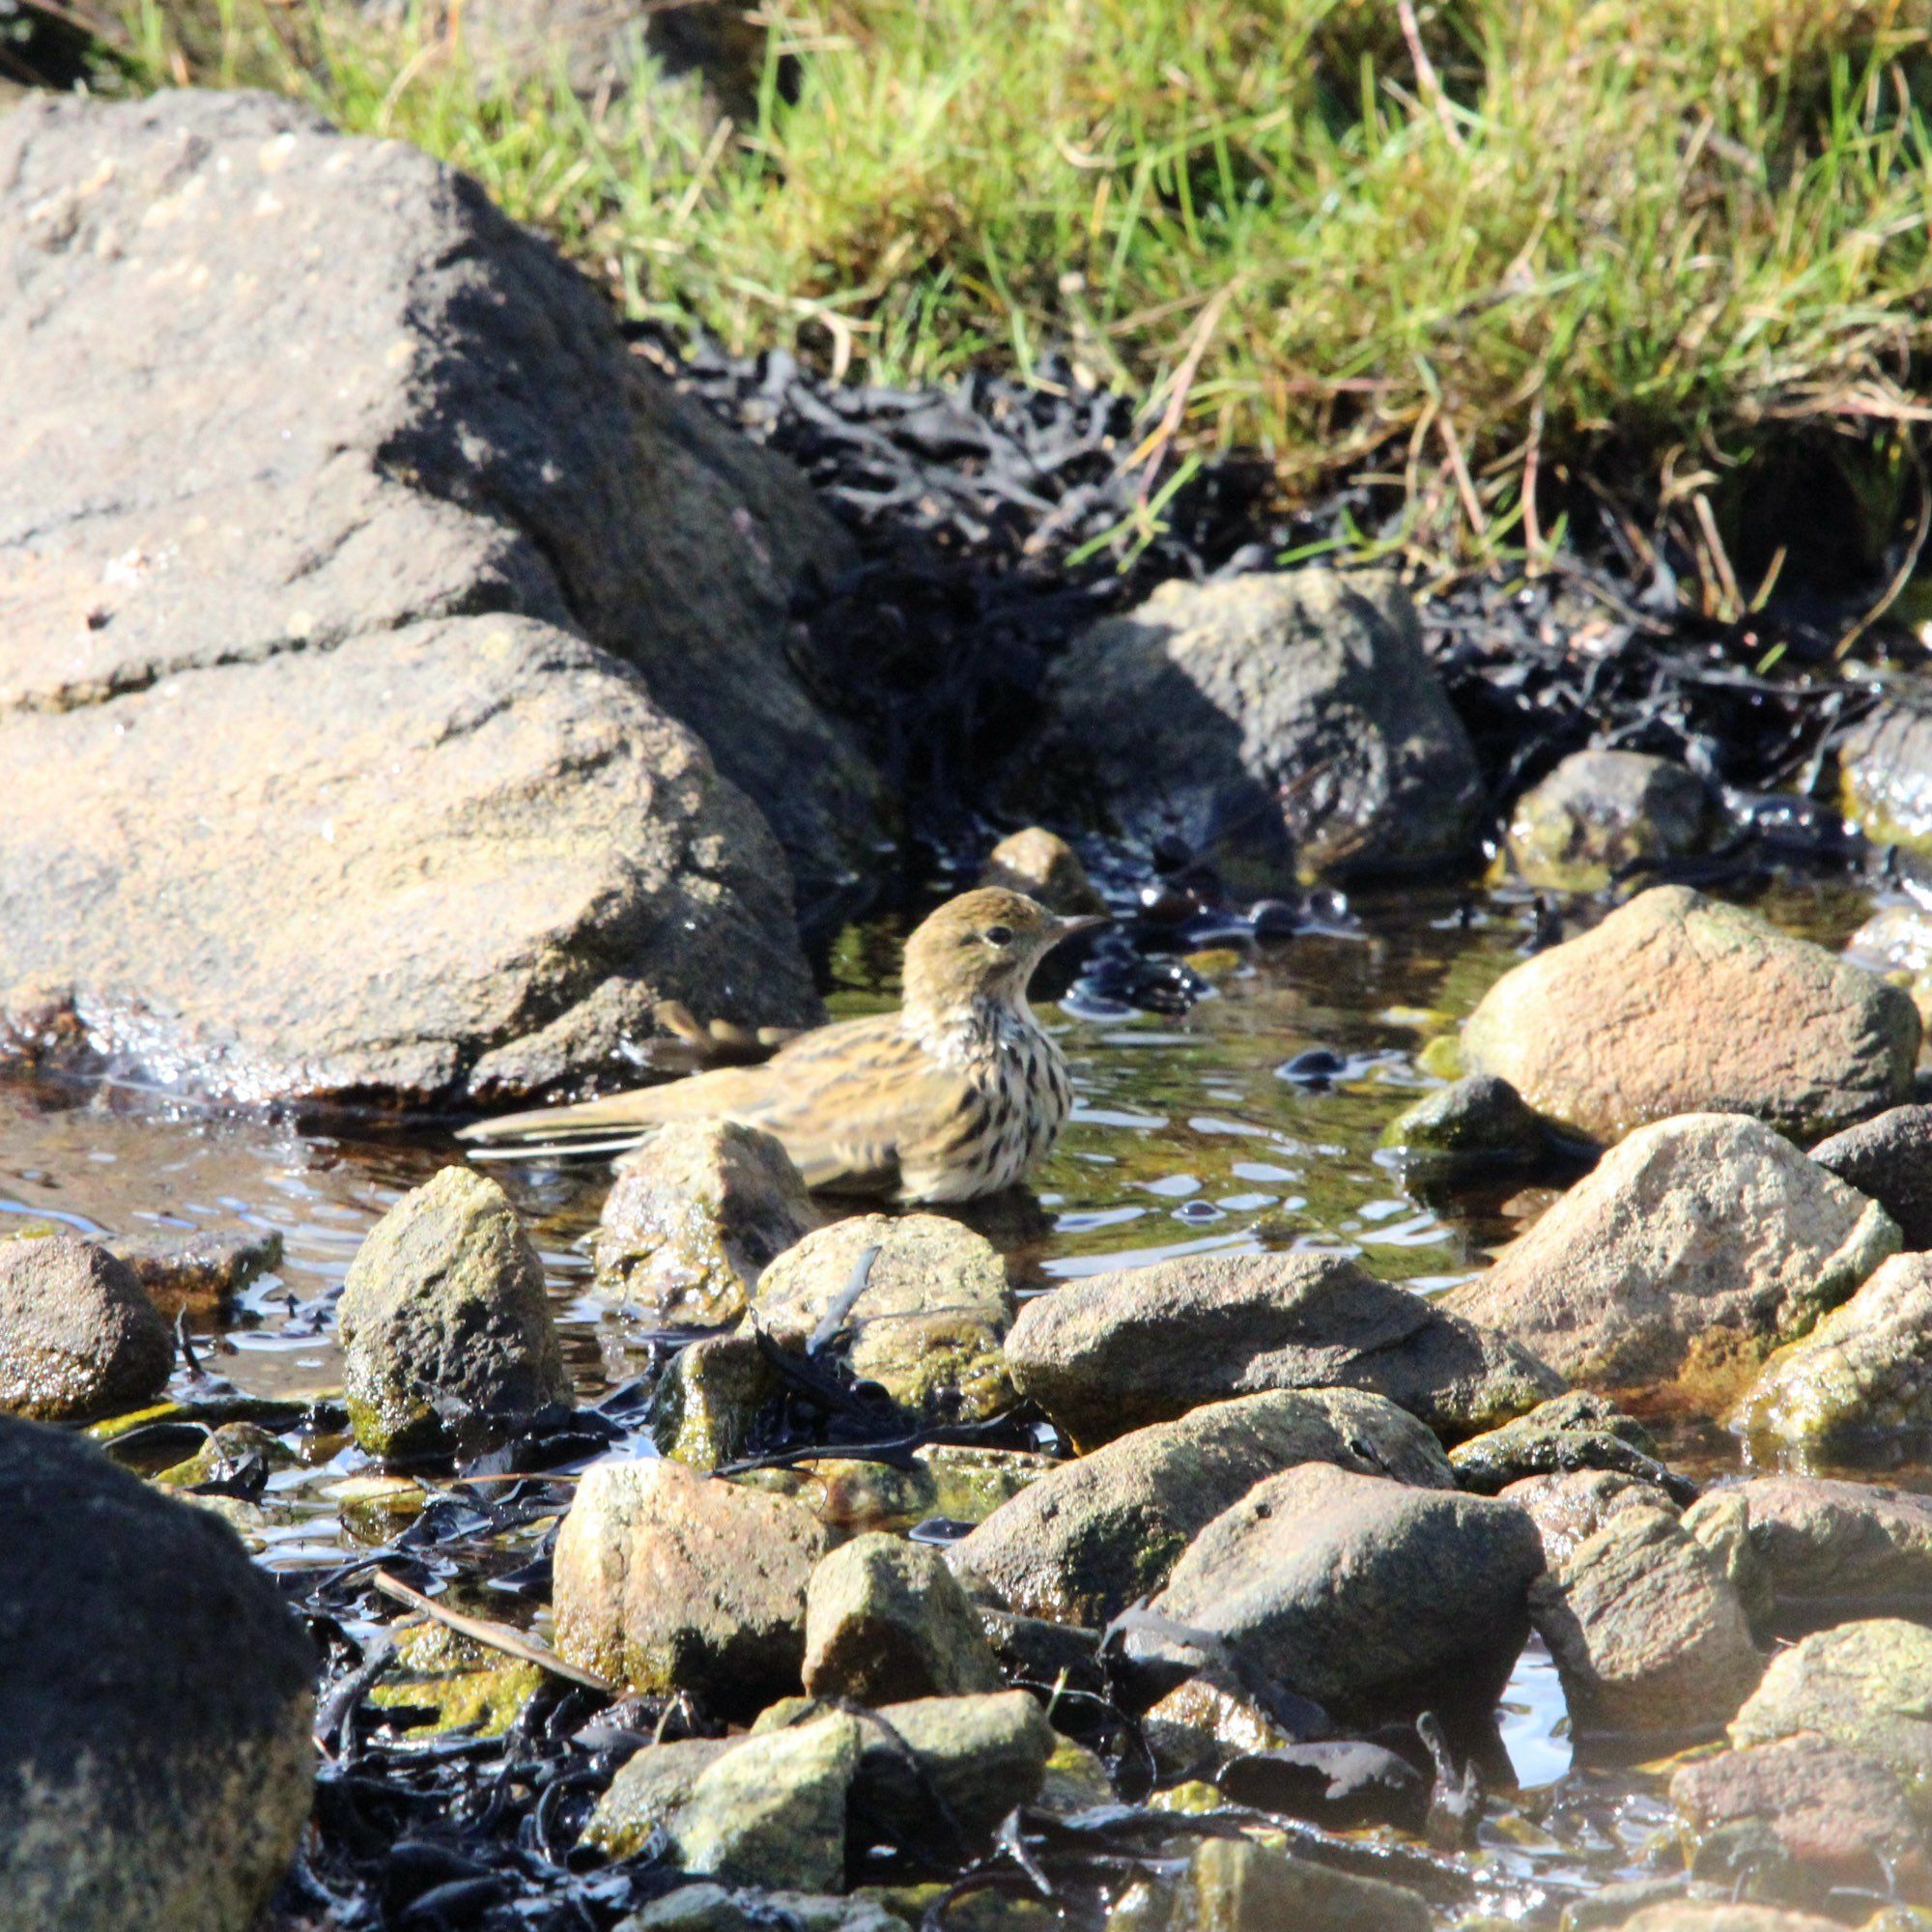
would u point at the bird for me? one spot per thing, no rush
(954, 1096)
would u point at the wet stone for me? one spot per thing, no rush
(1575, 1432)
(1234, 1884)
(200, 1273)
(1474, 1127)
(1677, 1005)
(1044, 866)
(1117, 1351)
(718, 1908)
(1691, 1252)
(1568, 1508)
(1198, 1726)
(980, 1754)
(886, 1621)
(705, 1405)
(1082, 1543)
(77, 1336)
(1369, 1597)
(229, 1453)
(1888, 1158)
(923, 1318)
(1648, 1635)
(444, 1320)
(693, 1219)
(1715, 1916)
(1599, 810)
(668, 1580)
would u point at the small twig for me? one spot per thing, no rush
(1426, 78)
(842, 1304)
(1532, 469)
(1721, 561)
(494, 1635)
(1460, 469)
(1154, 446)
(1902, 576)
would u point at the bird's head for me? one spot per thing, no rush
(982, 945)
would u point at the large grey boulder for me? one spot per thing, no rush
(1691, 1250)
(1366, 1595)
(444, 1320)
(77, 1335)
(1677, 1003)
(155, 1705)
(1298, 722)
(1118, 1351)
(1082, 1543)
(310, 446)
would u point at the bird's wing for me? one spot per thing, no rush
(844, 1100)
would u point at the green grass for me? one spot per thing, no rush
(1624, 245)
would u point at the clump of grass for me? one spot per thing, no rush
(1499, 253)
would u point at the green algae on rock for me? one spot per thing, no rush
(706, 1403)
(1599, 811)
(1677, 1003)
(444, 1319)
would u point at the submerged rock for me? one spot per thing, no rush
(1368, 1596)
(1599, 810)
(1044, 866)
(922, 1317)
(1569, 1508)
(1118, 1351)
(156, 1761)
(668, 1580)
(1301, 720)
(1862, 1686)
(1823, 1551)
(886, 1621)
(1474, 1127)
(1084, 1543)
(1888, 1158)
(1694, 1248)
(1648, 1635)
(1864, 1373)
(77, 1336)
(386, 485)
(1677, 1005)
(199, 1273)
(694, 1216)
(444, 1320)
(1577, 1431)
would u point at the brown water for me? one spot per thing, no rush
(1188, 1139)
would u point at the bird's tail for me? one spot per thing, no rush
(612, 1124)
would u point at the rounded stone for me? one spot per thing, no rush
(77, 1336)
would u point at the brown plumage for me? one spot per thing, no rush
(954, 1096)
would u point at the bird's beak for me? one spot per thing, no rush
(1066, 928)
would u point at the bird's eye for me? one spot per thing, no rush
(998, 935)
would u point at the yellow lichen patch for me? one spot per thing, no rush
(460, 1685)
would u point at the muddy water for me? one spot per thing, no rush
(1207, 1132)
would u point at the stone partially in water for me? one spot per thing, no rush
(1082, 1543)
(1571, 1507)
(1474, 1127)
(1044, 866)
(1862, 1686)
(1694, 1249)
(1299, 721)
(77, 1336)
(717, 1908)
(444, 1320)
(1676, 1005)
(1118, 1351)
(1648, 1635)
(1888, 1158)
(1577, 1431)
(668, 1581)
(1861, 1377)
(200, 1273)
(156, 1761)
(1885, 769)
(1233, 1885)
(886, 1621)
(1370, 1596)
(694, 1216)
(925, 1320)
(705, 1406)
(1599, 810)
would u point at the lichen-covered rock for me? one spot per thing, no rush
(886, 1621)
(649, 1786)
(1082, 1543)
(694, 1216)
(1299, 721)
(1826, 1552)
(1368, 1596)
(1569, 1432)
(1677, 1005)
(1884, 768)
(717, 1908)
(155, 1705)
(1199, 1724)
(1044, 866)
(199, 1273)
(77, 1336)
(1888, 1158)
(1716, 1915)
(668, 1580)
(1234, 1884)
(1862, 1686)
(1598, 811)
(1474, 1127)
(1119, 1352)
(444, 1320)
(1840, 1816)
(926, 1322)
(385, 484)
(706, 1403)
(1864, 1373)
(1691, 1251)
(1647, 1634)
(1569, 1508)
